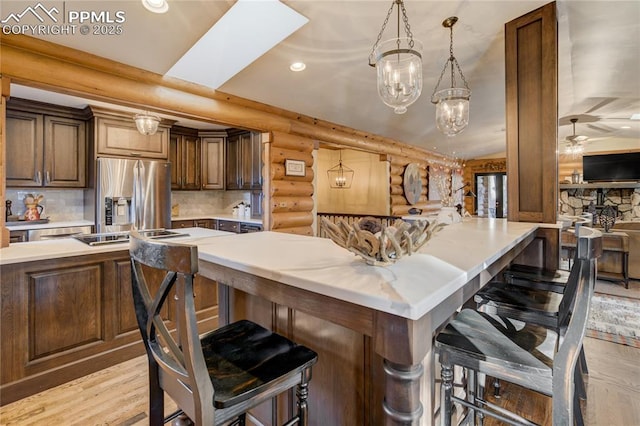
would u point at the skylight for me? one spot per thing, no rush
(247, 31)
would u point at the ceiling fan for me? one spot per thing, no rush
(575, 142)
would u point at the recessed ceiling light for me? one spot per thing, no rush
(156, 6)
(297, 66)
(625, 127)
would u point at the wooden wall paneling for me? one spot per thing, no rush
(531, 51)
(290, 201)
(4, 95)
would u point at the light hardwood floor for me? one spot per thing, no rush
(117, 395)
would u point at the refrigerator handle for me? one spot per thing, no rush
(137, 201)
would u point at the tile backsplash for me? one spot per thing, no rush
(69, 204)
(59, 204)
(206, 203)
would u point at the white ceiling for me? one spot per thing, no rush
(599, 79)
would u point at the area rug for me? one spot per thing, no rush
(615, 319)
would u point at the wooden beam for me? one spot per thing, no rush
(46, 65)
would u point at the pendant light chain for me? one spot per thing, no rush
(407, 29)
(453, 61)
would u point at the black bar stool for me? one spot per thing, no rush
(216, 377)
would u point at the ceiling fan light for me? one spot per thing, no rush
(399, 70)
(452, 110)
(147, 123)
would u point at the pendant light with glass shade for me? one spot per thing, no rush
(340, 176)
(398, 62)
(452, 104)
(147, 123)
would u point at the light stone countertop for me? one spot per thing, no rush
(411, 287)
(69, 247)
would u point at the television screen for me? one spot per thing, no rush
(611, 167)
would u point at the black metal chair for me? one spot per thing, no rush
(539, 278)
(539, 358)
(534, 296)
(217, 377)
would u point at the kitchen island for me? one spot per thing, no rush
(371, 326)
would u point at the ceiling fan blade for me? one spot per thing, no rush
(602, 102)
(601, 128)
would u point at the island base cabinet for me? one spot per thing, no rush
(65, 318)
(348, 371)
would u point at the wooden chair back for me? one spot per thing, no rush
(573, 321)
(176, 361)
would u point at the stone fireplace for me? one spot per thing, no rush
(574, 201)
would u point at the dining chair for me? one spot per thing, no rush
(217, 377)
(533, 356)
(533, 300)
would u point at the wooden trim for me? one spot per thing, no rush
(4, 94)
(531, 51)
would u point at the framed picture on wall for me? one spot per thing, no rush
(294, 167)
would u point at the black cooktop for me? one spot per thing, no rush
(123, 237)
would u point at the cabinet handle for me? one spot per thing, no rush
(135, 154)
(38, 177)
(47, 177)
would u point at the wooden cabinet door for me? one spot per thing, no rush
(24, 149)
(175, 158)
(191, 162)
(120, 137)
(246, 160)
(65, 152)
(213, 162)
(256, 161)
(233, 163)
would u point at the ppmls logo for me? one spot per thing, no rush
(42, 20)
(38, 11)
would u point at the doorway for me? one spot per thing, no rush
(491, 194)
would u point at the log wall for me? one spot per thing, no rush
(290, 201)
(399, 204)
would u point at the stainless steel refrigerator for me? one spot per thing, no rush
(132, 192)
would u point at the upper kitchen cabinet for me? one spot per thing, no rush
(244, 160)
(213, 144)
(185, 157)
(46, 145)
(116, 135)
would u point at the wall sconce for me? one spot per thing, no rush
(340, 176)
(147, 123)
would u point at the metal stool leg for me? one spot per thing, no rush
(446, 374)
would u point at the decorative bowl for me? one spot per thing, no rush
(378, 244)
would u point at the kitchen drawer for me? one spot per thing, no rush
(175, 224)
(229, 226)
